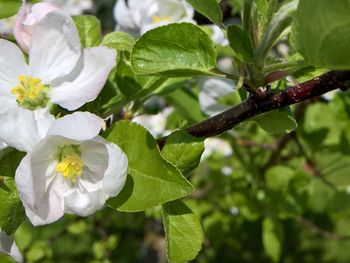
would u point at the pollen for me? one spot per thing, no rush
(70, 163)
(158, 19)
(31, 93)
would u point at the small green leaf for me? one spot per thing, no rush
(167, 51)
(183, 232)
(12, 212)
(89, 28)
(276, 122)
(272, 238)
(240, 43)
(278, 177)
(10, 161)
(120, 41)
(151, 180)
(209, 8)
(322, 34)
(9, 7)
(183, 151)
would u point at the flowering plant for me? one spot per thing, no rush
(104, 125)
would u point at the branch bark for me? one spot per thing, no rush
(256, 105)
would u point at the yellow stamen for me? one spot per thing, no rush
(158, 19)
(31, 92)
(70, 165)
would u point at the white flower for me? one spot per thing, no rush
(211, 89)
(216, 145)
(8, 247)
(218, 36)
(73, 7)
(138, 16)
(71, 170)
(155, 124)
(26, 19)
(6, 26)
(59, 72)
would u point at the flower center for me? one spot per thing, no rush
(158, 19)
(70, 164)
(31, 93)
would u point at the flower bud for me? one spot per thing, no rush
(27, 17)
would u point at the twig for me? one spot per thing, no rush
(256, 105)
(319, 231)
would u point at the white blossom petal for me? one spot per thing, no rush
(55, 48)
(124, 18)
(115, 176)
(98, 63)
(7, 104)
(35, 177)
(12, 65)
(8, 247)
(84, 203)
(78, 126)
(22, 129)
(95, 156)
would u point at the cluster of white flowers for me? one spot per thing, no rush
(138, 16)
(68, 167)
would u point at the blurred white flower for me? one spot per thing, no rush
(234, 211)
(330, 95)
(59, 72)
(225, 64)
(210, 90)
(73, 7)
(215, 145)
(7, 25)
(71, 170)
(217, 35)
(226, 170)
(155, 124)
(8, 247)
(138, 16)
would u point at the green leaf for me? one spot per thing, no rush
(186, 104)
(209, 8)
(240, 43)
(89, 28)
(237, 5)
(9, 7)
(278, 178)
(183, 151)
(151, 180)
(280, 21)
(276, 122)
(272, 238)
(322, 34)
(120, 41)
(167, 51)
(183, 232)
(12, 212)
(10, 161)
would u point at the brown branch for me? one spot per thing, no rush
(256, 105)
(319, 231)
